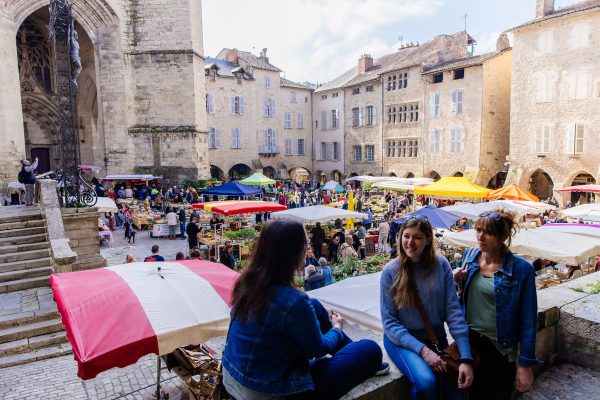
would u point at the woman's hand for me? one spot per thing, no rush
(524, 379)
(336, 320)
(465, 376)
(433, 360)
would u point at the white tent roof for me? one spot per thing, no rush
(575, 229)
(356, 299)
(559, 247)
(582, 211)
(313, 214)
(141, 177)
(367, 178)
(106, 204)
(472, 210)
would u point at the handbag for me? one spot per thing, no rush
(451, 354)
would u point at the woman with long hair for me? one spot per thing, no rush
(279, 338)
(500, 303)
(418, 274)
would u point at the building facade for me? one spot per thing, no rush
(258, 121)
(555, 99)
(140, 103)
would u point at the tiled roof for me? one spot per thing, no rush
(288, 83)
(224, 67)
(340, 81)
(461, 63)
(563, 11)
(253, 60)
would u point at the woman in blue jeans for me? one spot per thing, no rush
(279, 338)
(418, 271)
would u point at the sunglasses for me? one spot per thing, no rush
(491, 214)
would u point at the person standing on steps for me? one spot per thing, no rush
(27, 177)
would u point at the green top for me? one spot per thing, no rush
(481, 311)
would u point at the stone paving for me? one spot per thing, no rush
(566, 381)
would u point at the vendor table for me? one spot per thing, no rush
(141, 223)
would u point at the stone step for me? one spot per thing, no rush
(24, 255)
(22, 284)
(25, 273)
(21, 217)
(25, 264)
(23, 239)
(22, 232)
(22, 224)
(33, 343)
(14, 248)
(28, 317)
(32, 329)
(44, 353)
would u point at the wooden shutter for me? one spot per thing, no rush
(540, 88)
(361, 117)
(432, 105)
(374, 108)
(454, 101)
(241, 106)
(218, 138)
(323, 120)
(570, 142)
(273, 109)
(274, 140)
(232, 105)
(579, 138)
(266, 107)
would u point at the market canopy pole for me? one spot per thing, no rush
(63, 36)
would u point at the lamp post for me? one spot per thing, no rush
(72, 188)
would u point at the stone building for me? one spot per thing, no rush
(258, 121)
(467, 117)
(329, 128)
(555, 98)
(140, 105)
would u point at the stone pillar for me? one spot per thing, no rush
(12, 137)
(165, 56)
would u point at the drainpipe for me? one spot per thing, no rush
(381, 112)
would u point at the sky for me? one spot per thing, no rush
(318, 40)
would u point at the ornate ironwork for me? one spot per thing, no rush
(72, 189)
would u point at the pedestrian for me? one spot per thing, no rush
(325, 270)
(347, 250)
(192, 231)
(172, 223)
(369, 220)
(313, 279)
(27, 177)
(182, 221)
(418, 297)
(154, 256)
(179, 256)
(226, 257)
(129, 259)
(384, 231)
(500, 304)
(317, 239)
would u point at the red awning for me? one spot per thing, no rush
(581, 188)
(235, 207)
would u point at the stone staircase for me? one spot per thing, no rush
(30, 326)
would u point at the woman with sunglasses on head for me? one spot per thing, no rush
(500, 303)
(279, 339)
(420, 274)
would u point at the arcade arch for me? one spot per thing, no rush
(541, 184)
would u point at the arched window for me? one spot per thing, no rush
(32, 45)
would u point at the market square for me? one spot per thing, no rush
(353, 212)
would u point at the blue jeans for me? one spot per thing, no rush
(182, 229)
(425, 385)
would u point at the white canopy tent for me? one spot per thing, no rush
(583, 211)
(367, 178)
(560, 247)
(592, 231)
(356, 299)
(472, 210)
(313, 214)
(106, 204)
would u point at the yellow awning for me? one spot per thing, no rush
(450, 186)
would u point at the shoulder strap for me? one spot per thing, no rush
(425, 317)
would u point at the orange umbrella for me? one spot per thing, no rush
(512, 192)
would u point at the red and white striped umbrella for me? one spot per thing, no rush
(115, 315)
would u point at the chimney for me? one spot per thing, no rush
(364, 63)
(232, 56)
(263, 55)
(543, 8)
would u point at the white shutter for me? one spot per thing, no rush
(547, 138)
(461, 143)
(323, 120)
(232, 105)
(539, 139)
(460, 101)
(241, 106)
(540, 88)
(266, 107)
(579, 138)
(274, 140)
(218, 138)
(273, 109)
(454, 101)
(361, 117)
(572, 85)
(329, 151)
(374, 115)
(570, 143)
(432, 105)
(582, 85)
(210, 103)
(265, 140)
(549, 87)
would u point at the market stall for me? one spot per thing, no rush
(106, 204)
(512, 192)
(472, 210)
(233, 188)
(258, 179)
(451, 186)
(438, 217)
(314, 214)
(115, 315)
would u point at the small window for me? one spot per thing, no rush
(459, 73)
(357, 153)
(370, 89)
(356, 90)
(370, 149)
(267, 82)
(324, 97)
(438, 78)
(293, 97)
(334, 94)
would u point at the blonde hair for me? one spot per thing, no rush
(503, 228)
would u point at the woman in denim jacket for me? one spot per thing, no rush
(500, 304)
(279, 338)
(418, 271)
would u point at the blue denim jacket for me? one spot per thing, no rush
(271, 354)
(516, 304)
(404, 326)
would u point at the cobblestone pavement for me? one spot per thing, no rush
(566, 382)
(115, 253)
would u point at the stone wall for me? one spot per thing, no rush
(329, 135)
(81, 228)
(560, 111)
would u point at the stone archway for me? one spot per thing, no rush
(433, 175)
(541, 184)
(497, 181)
(582, 178)
(458, 174)
(409, 175)
(299, 174)
(392, 174)
(217, 173)
(239, 171)
(269, 172)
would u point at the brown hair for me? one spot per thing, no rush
(403, 290)
(503, 228)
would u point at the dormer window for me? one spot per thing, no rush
(438, 78)
(239, 74)
(211, 70)
(459, 73)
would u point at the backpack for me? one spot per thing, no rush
(22, 178)
(149, 259)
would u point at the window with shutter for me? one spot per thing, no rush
(357, 153)
(457, 102)
(241, 106)
(287, 120)
(336, 151)
(267, 81)
(370, 115)
(456, 140)
(579, 138)
(288, 147)
(323, 151)
(355, 117)
(546, 42)
(580, 36)
(300, 147)
(292, 97)
(300, 121)
(542, 139)
(323, 120)
(210, 103)
(212, 144)
(334, 119)
(434, 141)
(235, 138)
(370, 153)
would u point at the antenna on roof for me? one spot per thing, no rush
(465, 18)
(400, 38)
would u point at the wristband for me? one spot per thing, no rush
(467, 361)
